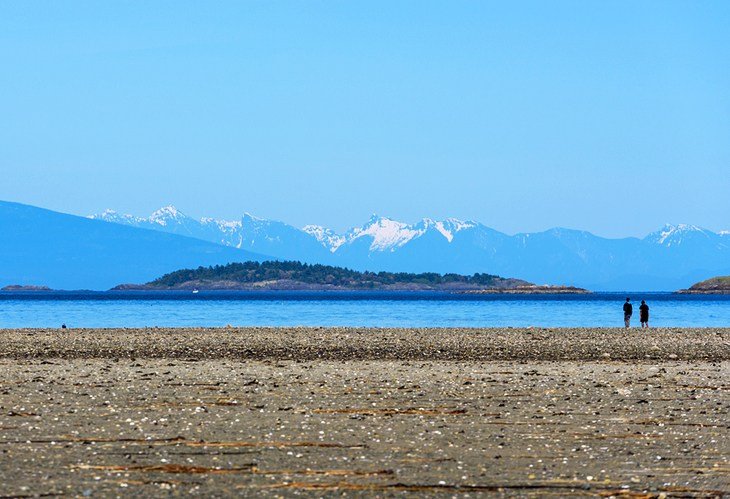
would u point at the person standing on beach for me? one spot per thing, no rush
(644, 314)
(628, 310)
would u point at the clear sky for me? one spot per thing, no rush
(612, 117)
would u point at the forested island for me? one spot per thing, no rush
(288, 275)
(714, 286)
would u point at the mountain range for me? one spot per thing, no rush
(673, 257)
(47, 248)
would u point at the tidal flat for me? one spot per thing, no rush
(315, 412)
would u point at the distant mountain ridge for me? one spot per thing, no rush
(675, 256)
(45, 248)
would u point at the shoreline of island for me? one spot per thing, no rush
(295, 286)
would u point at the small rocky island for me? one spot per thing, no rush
(275, 275)
(20, 287)
(714, 286)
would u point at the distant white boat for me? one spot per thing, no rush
(195, 291)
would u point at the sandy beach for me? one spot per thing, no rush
(313, 411)
(348, 343)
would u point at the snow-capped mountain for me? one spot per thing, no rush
(167, 215)
(170, 219)
(386, 234)
(670, 235)
(326, 237)
(382, 233)
(71, 252)
(273, 238)
(673, 257)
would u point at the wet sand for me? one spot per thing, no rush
(306, 343)
(365, 412)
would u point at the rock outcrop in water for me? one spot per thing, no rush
(20, 287)
(715, 286)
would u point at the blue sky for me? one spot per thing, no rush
(608, 116)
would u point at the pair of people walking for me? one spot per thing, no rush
(643, 313)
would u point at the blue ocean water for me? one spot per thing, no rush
(377, 309)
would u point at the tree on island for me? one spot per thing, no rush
(318, 275)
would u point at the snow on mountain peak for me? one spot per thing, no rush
(106, 215)
(386, 233)
(248, 217)
(165, 214)
(226, 226)
(451, 226)
(326, 237)
(115, 217)
(168, 210)
(389, 234)
(674, 234)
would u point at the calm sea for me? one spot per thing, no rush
(379, 309)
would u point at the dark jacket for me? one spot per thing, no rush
(644, 312)
(628, 308)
